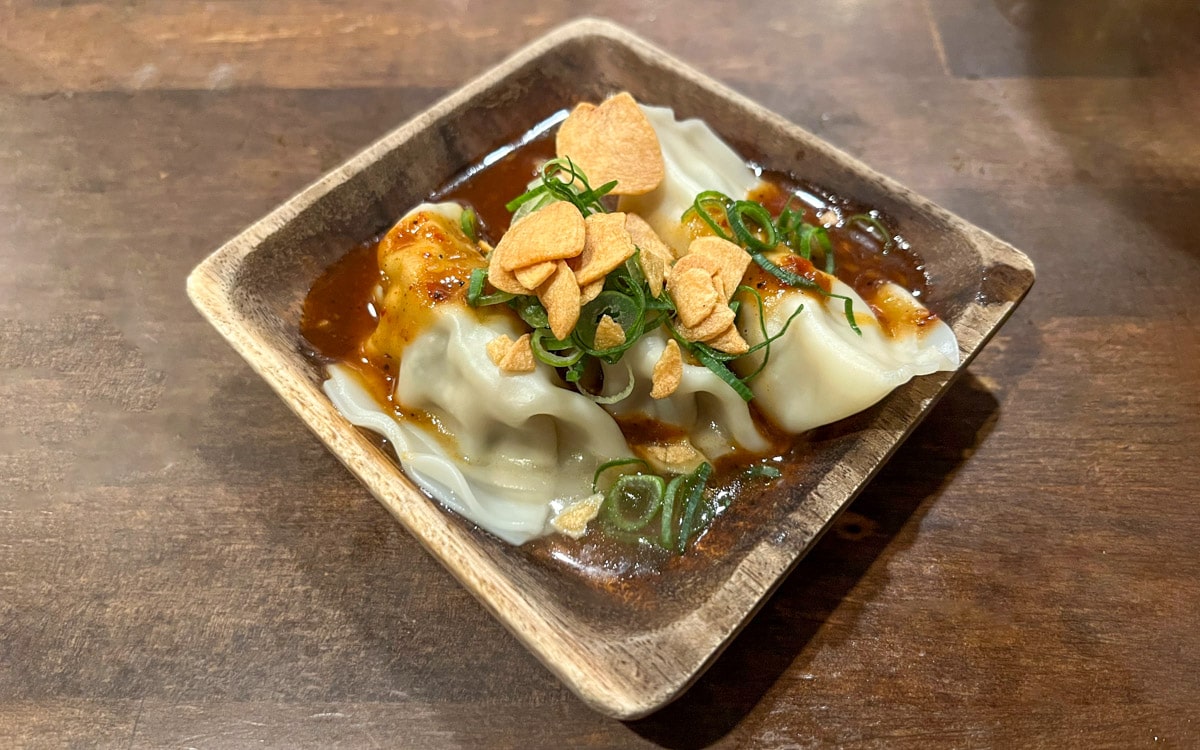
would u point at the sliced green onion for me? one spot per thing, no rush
(696, 482)
(555, 186)
(531, 311)
(802, 238)
(788, 219)
(700, 206)
(552, 344)
(475, 295)
(803, 245)
(768, 339)
(633, 267)
(821, 236)
(873, 222)
(524, 198)
(467, 222)
(625, 312)
(633, 500)
(760, 471)
(615, 397)
(793, 279)
(612, 465)
(788, 277)
(667, 527)
(705, 356)
(539, 202)
(737, 215)
(848, 311)
(475, 287)
(576, 190)
(545, 351)
(575, 371)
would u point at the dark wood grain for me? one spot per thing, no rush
(182, 564)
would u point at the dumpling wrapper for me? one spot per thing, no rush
(696, 160)
(821, 371)
(714, 417)
(522, 447)
(517, 448)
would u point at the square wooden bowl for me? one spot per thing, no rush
(628, 650)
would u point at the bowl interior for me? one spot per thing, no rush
(626, 648)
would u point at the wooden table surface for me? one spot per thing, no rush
(183, 565)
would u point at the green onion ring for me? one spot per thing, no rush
(628, 486)
(625, 312)
(699, 206)
(667, 531)
(531, 311)
(873, 223)
(737, 215)
(614, 398)
(826, 245)
(612, 465)
(704, 355)
(546, 353)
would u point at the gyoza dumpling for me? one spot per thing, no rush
(821, 371)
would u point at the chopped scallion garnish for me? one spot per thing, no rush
(872, 222)
(695, 483)
(562, 180)
(553, 352)
(757, 213)
(467, 221)
(633, 500)
(789, 230)
(475, 295)
(616, 462)
(762, 471)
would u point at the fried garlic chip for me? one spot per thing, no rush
(512, 356)
(721, 257)
(590, 291)
(710, 328)
(573, 519)
(646, 238)
(498, 347)
(655, 257)
(560, 296)
(695, 294)
(613, 141)
(668, 371)
(606, 246)
(730, 342)
(677, 456)
(531, 277)
(609, 333)
(555, 232)
(503, 280)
